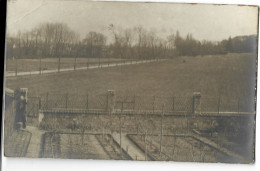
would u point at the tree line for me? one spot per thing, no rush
(58, 40)
(191, 47)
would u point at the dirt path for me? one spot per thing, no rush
(129, 147)
(13, 74)
(35, 143)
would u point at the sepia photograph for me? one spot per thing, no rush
(142, 81)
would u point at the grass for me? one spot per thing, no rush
(230, 76)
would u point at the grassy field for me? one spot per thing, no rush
(230, 76)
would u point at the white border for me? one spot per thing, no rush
(23, 164)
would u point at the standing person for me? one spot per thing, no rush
(20, 111)
(17, 110)
(23, 110)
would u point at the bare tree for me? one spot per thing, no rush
(95, 42)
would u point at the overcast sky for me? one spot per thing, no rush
(204, 22)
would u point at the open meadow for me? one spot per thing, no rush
(230, 77)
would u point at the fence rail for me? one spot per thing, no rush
(223, 105)
(104, 103)
(24, 67)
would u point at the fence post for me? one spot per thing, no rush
(153, 103)
(40, 117)
(40, 66)
(122, 108)
(134, 103)
(161, 130)
(107, 103)
(219, 103)
(173, 103)
(87, 102)
(75, 63)
(238, 105)
(66, 101)
(99, 62)
(16, 70)
(47, 100)
(145, 141)
(196, 107)
(40, 103)
(110, 101)
(59, 65)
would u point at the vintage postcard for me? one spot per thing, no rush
(130, 81)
